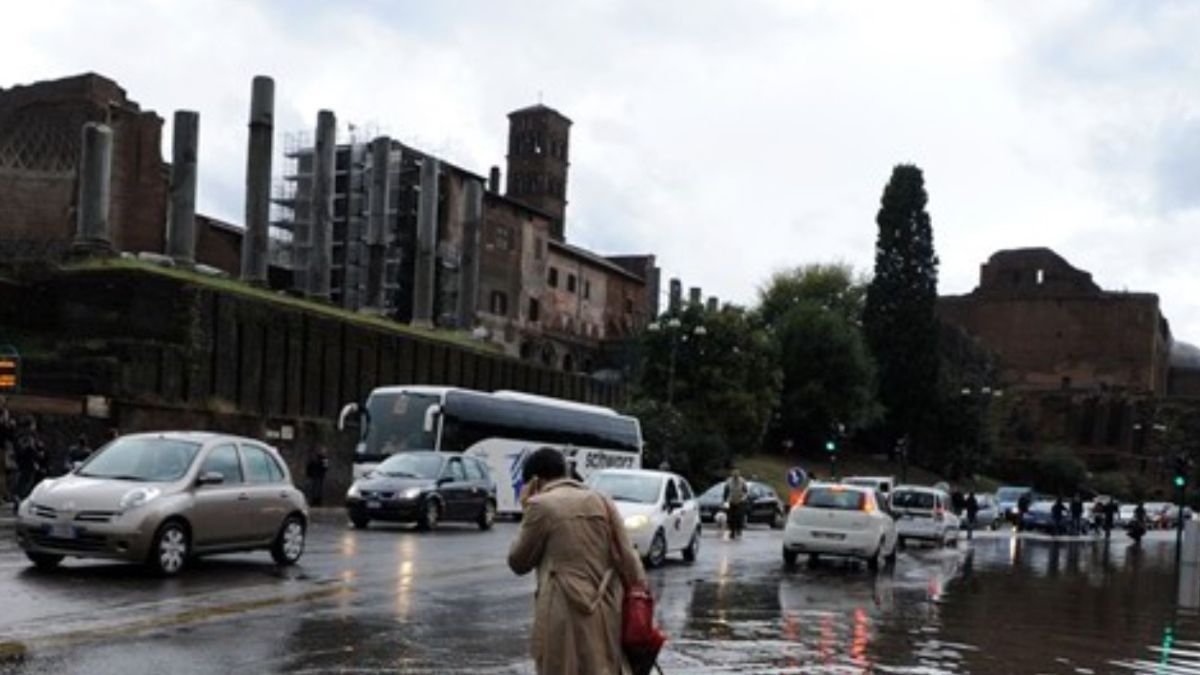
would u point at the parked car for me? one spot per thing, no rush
(880, 484)
(1007, 499)
(1040, 518)
(923, 513)
(1125, 514)
(765, 505)
(988, 516)
(840, 520)
(425, 488)
(660, 511)
(163, 498)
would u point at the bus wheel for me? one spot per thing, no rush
(430, 515)
(488, 517)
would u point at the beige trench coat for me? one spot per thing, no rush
(566, 535)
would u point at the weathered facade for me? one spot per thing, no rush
(1053, 328)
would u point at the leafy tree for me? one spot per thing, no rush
(962, 437)
(725, 382)
(834, 287)
(1060, 472)
(828, 376)
(899, 318)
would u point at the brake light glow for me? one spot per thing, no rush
(939, 513)
(868, 504)
(799, 499)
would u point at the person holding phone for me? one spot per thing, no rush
(571, 535)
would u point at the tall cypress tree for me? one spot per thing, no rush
(899, 319)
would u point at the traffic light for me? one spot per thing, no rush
(1182, 465)
(831, 445)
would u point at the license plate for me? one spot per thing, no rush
(62, 531)
(374, 505)
(829, 535)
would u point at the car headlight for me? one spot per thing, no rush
(138, 497)
(637, 522)
(353, 492)
(411, 493)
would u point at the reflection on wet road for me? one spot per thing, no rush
(393, 600)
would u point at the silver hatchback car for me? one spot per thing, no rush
(162, 498)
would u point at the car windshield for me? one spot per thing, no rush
(912, 500)
(1010, 494)
(152, 460)
(833, 498)
(714, 494)
(629, 487)
(411, 465)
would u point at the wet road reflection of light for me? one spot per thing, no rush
(405, 553)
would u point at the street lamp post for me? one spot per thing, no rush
(983, 397)
(672, 328)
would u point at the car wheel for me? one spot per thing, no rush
(658, 550)
(900, 543)
(289, 543)
(777, 520)
(430, 516)
(169, 549)
(488, 517)
(44, 561)
(693, 549)
(360, 522)
(813, 559)
(789, 558)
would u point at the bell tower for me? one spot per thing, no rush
(538, 148)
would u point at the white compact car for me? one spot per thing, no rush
(840, 520)
(660, 511)
(923, 513)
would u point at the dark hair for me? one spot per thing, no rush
(544, 463)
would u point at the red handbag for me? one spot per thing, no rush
(639, 634)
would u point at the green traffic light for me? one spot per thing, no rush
(830, 446)
(1180, 481)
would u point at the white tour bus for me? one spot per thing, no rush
(502, 428)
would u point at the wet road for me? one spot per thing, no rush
(394, 600)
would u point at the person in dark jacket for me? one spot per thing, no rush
(1057, 513)
(1110, 517)
(30, 454)
(8, 437)
(315, 470)
(1077, 515)
(971, 505)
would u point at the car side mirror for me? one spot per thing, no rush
(210, 478)
(444, 480)
(673, 505)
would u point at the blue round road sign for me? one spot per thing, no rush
(796, 477)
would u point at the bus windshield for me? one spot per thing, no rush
(396, 423)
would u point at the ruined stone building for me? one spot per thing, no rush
(1079, 366)
(409, 235)
(40, 132)
(451, 249)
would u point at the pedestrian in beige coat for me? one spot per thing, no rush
(567, 534)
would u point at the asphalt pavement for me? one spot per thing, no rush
(391, 599)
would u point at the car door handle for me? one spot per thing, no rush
(243, 497)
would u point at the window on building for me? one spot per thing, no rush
(628, 306)
(537, 249)
(499, 303)
(503, 238)
(552, 279)
(587, 289)
(570, 283)
(1041, 277)
(534, 309)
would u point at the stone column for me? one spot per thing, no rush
(95, 179)
(676, 298)
(320, 256)
(494, 180)
(468, 289)
(258, 181)
(427, 235)
(377, 220)
(181, 210)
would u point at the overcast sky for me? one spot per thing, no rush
(729, 138)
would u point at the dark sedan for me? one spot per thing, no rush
(765, 505)
(425, 488)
